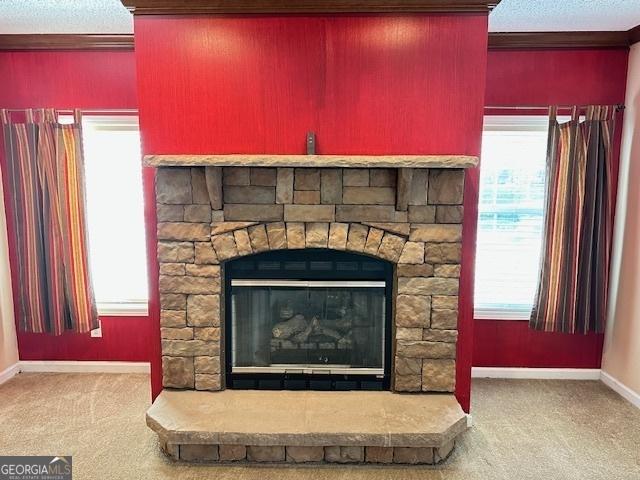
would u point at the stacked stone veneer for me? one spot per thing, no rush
(412, 218)
(307, 454)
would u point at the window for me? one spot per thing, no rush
(510, 215)
(115, 214)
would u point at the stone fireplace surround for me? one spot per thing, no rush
(209, 211)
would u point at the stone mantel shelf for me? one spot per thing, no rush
(314, 161)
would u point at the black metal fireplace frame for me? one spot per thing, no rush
(240, 269)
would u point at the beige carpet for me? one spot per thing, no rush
(523, 430)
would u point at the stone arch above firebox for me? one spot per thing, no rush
(245, 238)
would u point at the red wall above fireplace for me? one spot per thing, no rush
(363, 83)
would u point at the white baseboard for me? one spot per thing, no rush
(537, 373)
(9, 372)
(621, 389)
(469, 420)
(69, 366)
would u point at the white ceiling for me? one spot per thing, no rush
(64, 16)
(564, 15)
(109, 16)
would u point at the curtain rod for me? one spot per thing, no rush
(70, 111)
(619, 107)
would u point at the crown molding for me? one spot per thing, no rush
(190, 7)
(497, 40)
(66, 41)
(634, 35)
(531, 40)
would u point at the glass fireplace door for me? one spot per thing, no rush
(307, 326)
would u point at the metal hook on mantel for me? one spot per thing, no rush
(311, 143)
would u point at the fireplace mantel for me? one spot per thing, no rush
(314, 161)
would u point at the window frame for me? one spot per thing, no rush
(513, 123)
(118, 122)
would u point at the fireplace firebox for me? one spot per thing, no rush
(309, 319)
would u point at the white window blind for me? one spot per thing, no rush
(115, 214)
(510, 216)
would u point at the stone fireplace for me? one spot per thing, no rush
(309, 273)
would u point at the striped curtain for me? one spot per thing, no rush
(574, 273)
(45, 184)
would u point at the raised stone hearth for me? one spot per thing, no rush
(302, 427)
(209, 214)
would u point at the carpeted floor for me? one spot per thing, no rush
(564, 430)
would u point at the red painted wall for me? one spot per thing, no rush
(67, 79)
(510, 343)
(74, 79)
(543, 77)
(565, 77)
(363, 83)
